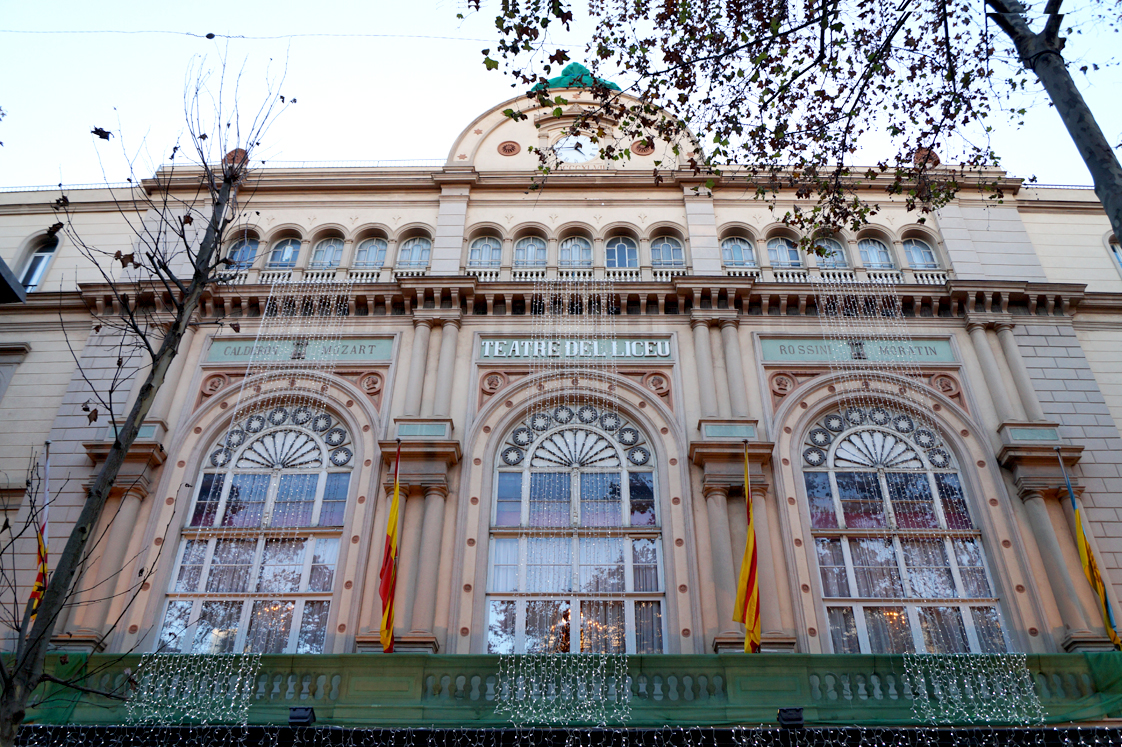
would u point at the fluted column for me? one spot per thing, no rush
(703, 357)
(734, 364)
(442, 404)
(1020, 373)
(770, 619)
(112, 559)
(1063, 590)
(716, 500)
(417, 362)
(432, 533)
(990, 371)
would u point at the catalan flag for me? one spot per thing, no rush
(388, 573)
(1090, 567)
(40, 586)
(747, 609)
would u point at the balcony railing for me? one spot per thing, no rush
(622, 274)
(363, 690)
(791, 275)
(931, 277)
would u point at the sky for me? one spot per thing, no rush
(402, 85)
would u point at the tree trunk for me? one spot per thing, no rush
(26, 669)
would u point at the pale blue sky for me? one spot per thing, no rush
(358, 98)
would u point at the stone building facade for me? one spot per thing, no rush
(1014, 310)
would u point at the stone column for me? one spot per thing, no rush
(417, 362)
(1020, 374)
(446, 368)
(408, 557)
(734, 363)
(1063, 590)
(990, 371)
(173, 380)
(432, 534)
(724, 578)
(770, 620)
(112, 560)
(703, 357)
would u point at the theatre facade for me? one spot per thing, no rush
(1013, 312)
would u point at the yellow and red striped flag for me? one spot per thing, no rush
(40, 586)
(747, 609)
(388, 573)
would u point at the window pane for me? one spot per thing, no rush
(500, 627)
(929, 571)
(601, 564)
(217, 629)
(371, 253)
(971, 570)
(943, 632)
(987, 623)
(831, 561)
(843, 630)
(334, 505)
(230, 565)
(173, 635)
(282, 564)
(912, 502)
(504, 568)
(547, 627)
(206, 507)
(295, 498)
(549, 499)
(600, 500)
(269, 625)
(889, 630)
(648, 627)
(874, 566)
(601, 628)
(954, 502)
(191, 567)
(549, 564)
(644, 564)
(862, 506)
(323, 564)
(313, 628)
(641, 487)
(508, 499)
(246, 502)
(821, 499)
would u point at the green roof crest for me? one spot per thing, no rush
(576, 75)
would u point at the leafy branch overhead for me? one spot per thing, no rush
(794, 95)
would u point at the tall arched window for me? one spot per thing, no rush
(284, 254)
(529, 251)
(833, 256)
(737, 251)
(920, 255)
(371, 253)
(38, 263)
(621, 251)
(783, 253)
(575, 537)
(328, 253)
(486, 251)
(255, 568)
(414, 252)
(243, 252)
(902, 564)
(875, 254)
(666, 251)
(575, 251)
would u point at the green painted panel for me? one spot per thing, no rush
(422, 429)
(619, 349)
(1034, 434)
(356, 349)
(714, 430)
(806, 350)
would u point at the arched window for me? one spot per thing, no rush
(529, 251)
(920, 255)
(575, 251)
(371, 253)
(783, 253)
(486, 251)
(902, 564)
(255, 568)
(38, 264)
(564, 477)
(284, 254)
(328, 253)
(875, 254)
(738, 252)
(621, 251)
(833, 256)
(666, 251)
(414, 252)
(243, 252)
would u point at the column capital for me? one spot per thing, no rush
(697, 322)
(435, 489)
(1004, 326)
(451, 321)
(973, 324)
(423, 322)
(1028, 494)
(726, 322)
(713, 490)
